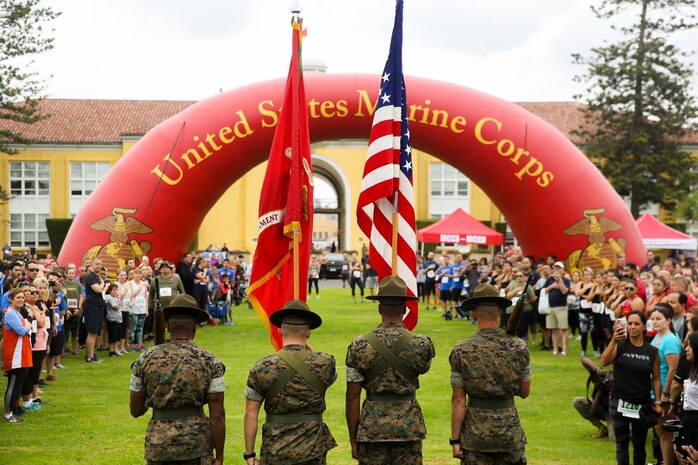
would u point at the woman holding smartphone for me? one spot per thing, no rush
(636, 376)
(669, 347)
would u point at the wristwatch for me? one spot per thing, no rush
(249, 456)
(453, 442)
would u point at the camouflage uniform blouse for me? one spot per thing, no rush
(177, 374)
(287, 443)
(491, 365)
(389, 421)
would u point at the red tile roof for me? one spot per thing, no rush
(76, 121)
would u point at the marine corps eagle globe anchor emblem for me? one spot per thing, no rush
(119, 250)
(602, 253)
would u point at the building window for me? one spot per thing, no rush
(448, 189)
(30, 206)
(84, 178)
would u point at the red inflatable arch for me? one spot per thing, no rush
(155, 198)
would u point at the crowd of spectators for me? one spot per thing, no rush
(643, 313)
(51, 310)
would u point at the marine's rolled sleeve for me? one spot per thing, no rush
(354, 375)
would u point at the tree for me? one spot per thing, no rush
(639, 104)
(687, 208)
(22, 25)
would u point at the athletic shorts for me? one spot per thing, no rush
(429, 287)
(71, 327)
(557, 318)
(371, 282)
(94, 315)
(445, 295)
(56, 344)
(455, 294)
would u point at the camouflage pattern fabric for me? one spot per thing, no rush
(292, 443)
(491, 365)
(197, 461)
(389, 421)
(316, 461)
(177, 374)
(516, 457)
(388, 453)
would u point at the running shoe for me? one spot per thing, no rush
(58, 365)
(51, 378)
(13, 419)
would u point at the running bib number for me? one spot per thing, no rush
(345, 267)
(165, 292)
(444, 280)
(72, 303)
(629, 410)
(357, 274)
(571, 299)
(431, 274)
(140, 301)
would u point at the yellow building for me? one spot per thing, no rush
(78, 144)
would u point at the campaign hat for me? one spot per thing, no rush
(485, 293)
(185, 304)
(392, 288)
(297, 309)
(167, 264)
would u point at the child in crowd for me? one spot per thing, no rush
(113, 319)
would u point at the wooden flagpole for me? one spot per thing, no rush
(296, 264)
(394, 241)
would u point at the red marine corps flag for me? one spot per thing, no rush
(286, 204)
(385, 211)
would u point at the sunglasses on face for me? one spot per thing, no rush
(52, 283)
(34, 292)
(629, 288)
(33, 270)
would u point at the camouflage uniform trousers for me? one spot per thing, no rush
(316, 461)
(390, 453)
(208, 460)
(471, 457)
(583, 406)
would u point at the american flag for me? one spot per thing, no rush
(387, 181)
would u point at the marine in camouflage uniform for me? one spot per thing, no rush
(491, 367)
(390, 427)
(176, 379)
(293, 399)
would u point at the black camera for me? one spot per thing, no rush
(679, 440)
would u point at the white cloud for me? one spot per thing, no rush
(178, 49)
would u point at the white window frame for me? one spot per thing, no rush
(448, 189)
(83, 181)
(30, 205)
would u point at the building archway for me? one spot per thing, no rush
(329, 171)
(554, 198)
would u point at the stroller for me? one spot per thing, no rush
(219, 307)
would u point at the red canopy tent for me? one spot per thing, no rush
(459, 228)
(657, 235)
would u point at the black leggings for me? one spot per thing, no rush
(356, 282)
(125, 319)
(15, 379)
(627, 430)
(32, 377)
(312, 281)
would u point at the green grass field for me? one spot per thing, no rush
(87, 419)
